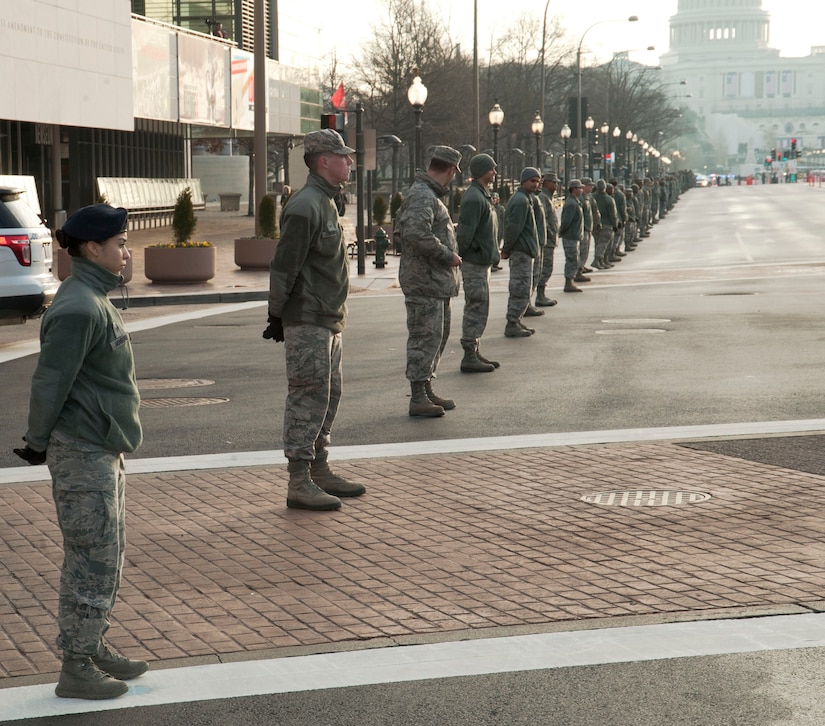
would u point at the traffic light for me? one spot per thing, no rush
(793, 149)
(774, 157)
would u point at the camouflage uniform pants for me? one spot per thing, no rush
(547, 263)
(428, 325)
(476, 280)
(584, 248)
(629, 233)
(521, 281)
(603, 239)
(571, 257)
(538, 263)
(313, 370)
(89, 491)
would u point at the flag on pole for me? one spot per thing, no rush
(339, 97)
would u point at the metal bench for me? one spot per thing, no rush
(150, 202)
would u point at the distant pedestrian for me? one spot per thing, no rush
(521, 242)
(83, 417)
(308, 287)
(477, 236)
(498, 209)
(429, 276)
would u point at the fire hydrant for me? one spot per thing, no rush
(381, 245)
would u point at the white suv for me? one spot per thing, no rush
(27, 286)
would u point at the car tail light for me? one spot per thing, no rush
(20, 246)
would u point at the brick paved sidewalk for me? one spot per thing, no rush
(217, 567)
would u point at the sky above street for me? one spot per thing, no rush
(795, 27)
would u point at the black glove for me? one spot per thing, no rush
(275, 330)
(35, 458)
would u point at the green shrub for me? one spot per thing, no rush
(183, 219)
(267, 225)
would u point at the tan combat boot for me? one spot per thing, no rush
(81, 678)
(420, 403)
(329, 481)
(118, 666)
(472, 363)
(446, 403)
(303, 493)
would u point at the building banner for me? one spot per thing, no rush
(154, 70)
(203, 70)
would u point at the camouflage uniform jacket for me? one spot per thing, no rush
(607, 209)
(477, 230)
(84, 385)
(520, 234)
(309, 273)
(428, 241)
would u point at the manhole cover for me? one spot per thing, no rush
(156, 384)
(169, 402)
(646, 498)
(631, 331)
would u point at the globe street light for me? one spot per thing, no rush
(495, 118)
(417, 96)
(631, 19)
(565, 135)
(617, 132)
(537, 127)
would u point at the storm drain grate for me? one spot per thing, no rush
(155, 384)
(183, 401)
(646, 498)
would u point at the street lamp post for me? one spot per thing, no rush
(604, 130)
(417, 96)
(565, 135)
(537, 127)
(578, 119)
(628, 136)
(588, 125)
(617, 132)
(495, 118)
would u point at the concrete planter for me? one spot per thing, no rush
(254, 253)
(62, 266)
(180, 264)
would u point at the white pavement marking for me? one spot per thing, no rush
(203, 462)
(437, 660)
(745, 253)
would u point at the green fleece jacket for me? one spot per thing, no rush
(309, 273)
(84, 385)
(477, 230)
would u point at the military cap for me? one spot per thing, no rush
(634, 187)
(325, 141)
(95, 223)
(600, 185)
(587, 181)
(448, 155)
(575, 184)
(610, 187)
(480, 164)
(549, 176)
(530, 172)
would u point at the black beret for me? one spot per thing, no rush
(95, 223)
